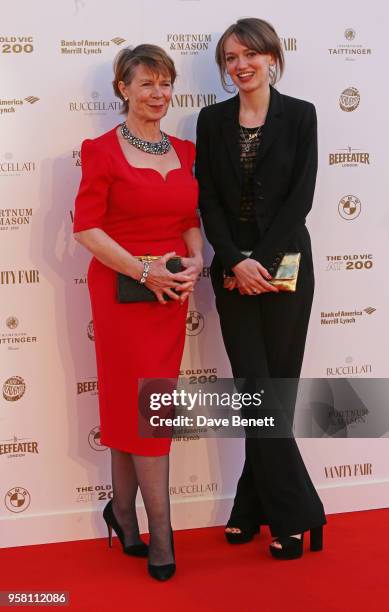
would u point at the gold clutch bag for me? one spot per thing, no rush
(285, 279)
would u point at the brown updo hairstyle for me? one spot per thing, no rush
(153, 57)
(255, 34)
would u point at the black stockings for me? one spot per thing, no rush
(151, 474)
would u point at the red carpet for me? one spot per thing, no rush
(352, 573)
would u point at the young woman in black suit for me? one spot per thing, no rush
(256, 166)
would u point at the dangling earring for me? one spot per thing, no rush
(272, 73)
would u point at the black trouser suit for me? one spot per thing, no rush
(264, 335)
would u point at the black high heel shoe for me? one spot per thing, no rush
(293, 548)
(163, 572)
(135, 550)
(245, 535)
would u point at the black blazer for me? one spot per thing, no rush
(284, 178)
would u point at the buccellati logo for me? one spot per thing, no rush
(94, 439)
(95, 105)
(194, 323)
(349, 369)
(349, 207)
(11, 167)
(17, 499)
(14, 388)
(90, 331)
(349, 99)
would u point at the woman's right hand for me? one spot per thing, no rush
(252, 278)
(160, 281)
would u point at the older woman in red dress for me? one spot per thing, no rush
(138, 196)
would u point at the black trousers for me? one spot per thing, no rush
(264, 337)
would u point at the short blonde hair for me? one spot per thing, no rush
(255, 34)
(153, 57)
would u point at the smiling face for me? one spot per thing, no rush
(248, 69)
(148, 94)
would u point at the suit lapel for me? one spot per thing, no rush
(273, 124)
(230, 129)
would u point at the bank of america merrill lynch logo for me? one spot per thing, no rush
(118, 40)
(31, 99)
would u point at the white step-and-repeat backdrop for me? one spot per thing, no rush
(56, 72)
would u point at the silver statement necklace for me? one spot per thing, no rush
(155, 148)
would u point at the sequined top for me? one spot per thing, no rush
(248, 232)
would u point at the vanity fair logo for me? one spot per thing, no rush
(14, 340)
(90, 385)
(350, 369)
(349, 99)
(350, 50)
(355, 261)
(194, 488)
(11, 167)
(95, 105)
(194, 323)
(16, 44)
(90, 331)
(11, 105)
(14, 218)
(288, 43)
(14, 388)
(349, 158)
(88, 47)
(198, 100)
(188, 44)
(349, 207)
(19, 277)
(91, 493)
(94, 440)
(17, 499)
(353, 470)
(345, 317)
(15, 447)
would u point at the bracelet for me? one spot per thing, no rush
(146, 268)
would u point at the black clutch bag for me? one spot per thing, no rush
(130, 290)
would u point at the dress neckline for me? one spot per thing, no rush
(163, 177)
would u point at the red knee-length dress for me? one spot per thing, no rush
(145, 213)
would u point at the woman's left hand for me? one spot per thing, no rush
(193, 267)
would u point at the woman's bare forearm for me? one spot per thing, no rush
(109, 252)
(194, 242)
